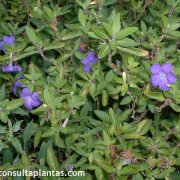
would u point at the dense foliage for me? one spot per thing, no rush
(93, 84)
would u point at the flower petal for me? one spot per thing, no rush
(155, 69)
(2, 47)
(156, 80)
(85, 61)
(163, 84)
(28, 104)
(36, 102)
(92, 57)
(25, 93)
(171, 78)
(17, 68)
(87, 69)
(8, 68)
(35, 99)
(167, 68)
(8, 39)
(16, 85)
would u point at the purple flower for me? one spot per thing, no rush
(80, 49)
(11, 68)
(127, 161)
(89, 60)
(87, 69)
(7, 40)
(162, 76)
(31, 99)
(17, 84)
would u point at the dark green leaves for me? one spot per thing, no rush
(14, 104)
(155, 95)
(33, 36)
(126, 32)
(102, 115)
(2, 93)
(99, 31)
(71, 35)
(104, 50)
(51, 159)
(16, 143)
(82, 18)
(134, 51)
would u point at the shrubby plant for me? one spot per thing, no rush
(90, 85)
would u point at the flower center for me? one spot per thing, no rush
(162, 76)
(28, 99)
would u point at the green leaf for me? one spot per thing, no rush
(102, 115)
(124, 89)
(124, 115)
(137, 177)
(99, 174)
(47, 96)
(112, 115)
(108, 141)
(51, 159)
(71, 35)
(104, 51)
(110, 76)
(116, 24)
(175, 107)
(43, 149)
(16, 143)
(155, 95)
(104, 165)
(48, 12)
(7, 156)
(134, 51)
(144, 126)
(16, 126)
(37, 138)
(104, 98)
(108, 29)
(93, 35)
(175, 33)
(53, 45)
(77, 101)
(25, 160)
(175, 175)
(4, 117)
(100, 32)
(132, 135)
(126, 100)
(14, 104)
(48, 133)
(33, 37)
(2, 93)
(126, 32)
(82, 18)
(28, 131)
(126, 42)
(2, 129)
(58, 141)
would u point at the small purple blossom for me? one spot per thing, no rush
(80, 49)
(7, 40)
(70, 167)
(17, 84)
(31, 99)
(127, 161)
(162, 76)
(89, 60)
(11, 68)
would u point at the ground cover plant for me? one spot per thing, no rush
(90, 85)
